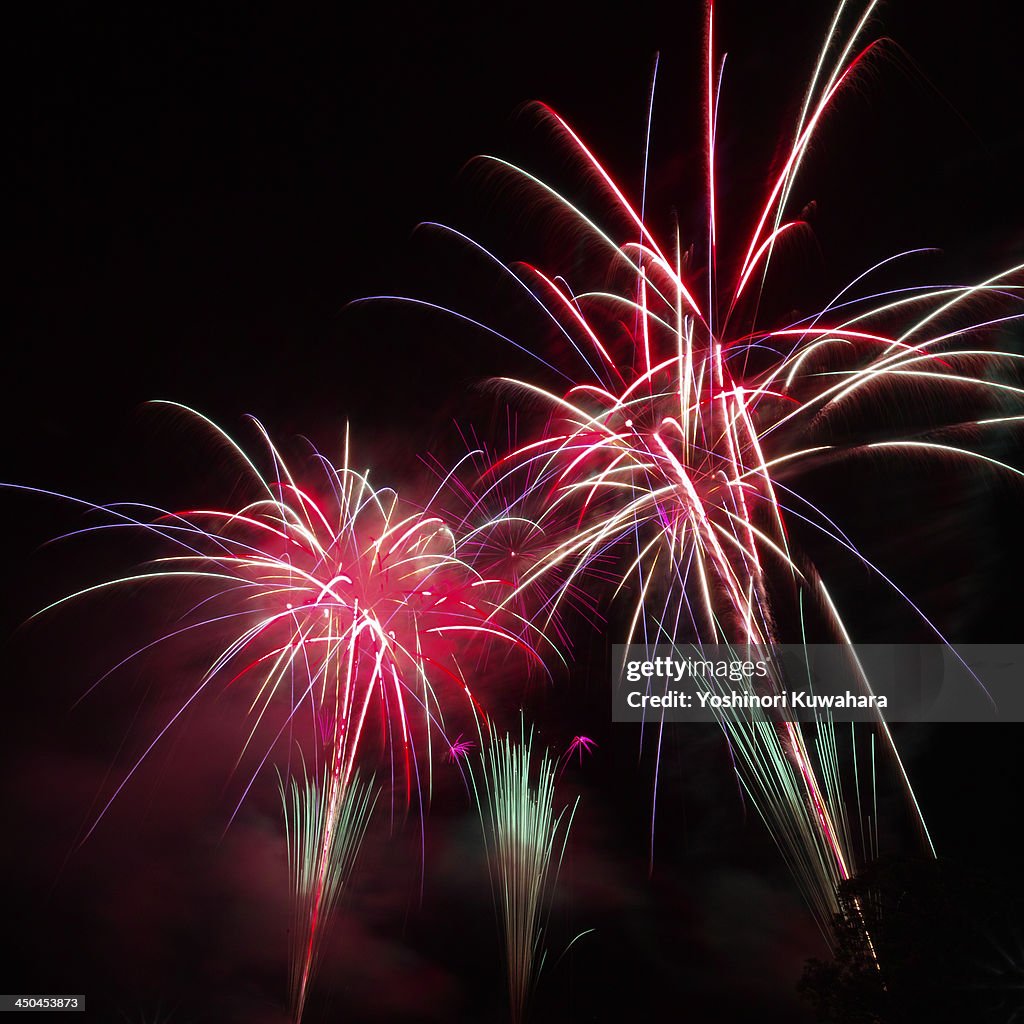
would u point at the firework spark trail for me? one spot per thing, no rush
(505, 530)
(680, 439)
(526, 842)
(341, 598)
(325, 829)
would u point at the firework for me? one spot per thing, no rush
(323, 843)
(507, 530)
(579, 745)
(459, 748)
(341, 601)
(525, 844)
(679, 443)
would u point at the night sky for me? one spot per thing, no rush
(195, 201)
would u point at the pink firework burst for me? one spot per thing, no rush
(459, 749)
(580, 745)
(507, 530)
(679, 441)
(346, 606)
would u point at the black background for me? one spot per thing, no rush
(195, 198)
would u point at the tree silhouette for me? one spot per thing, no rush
(921, 941)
